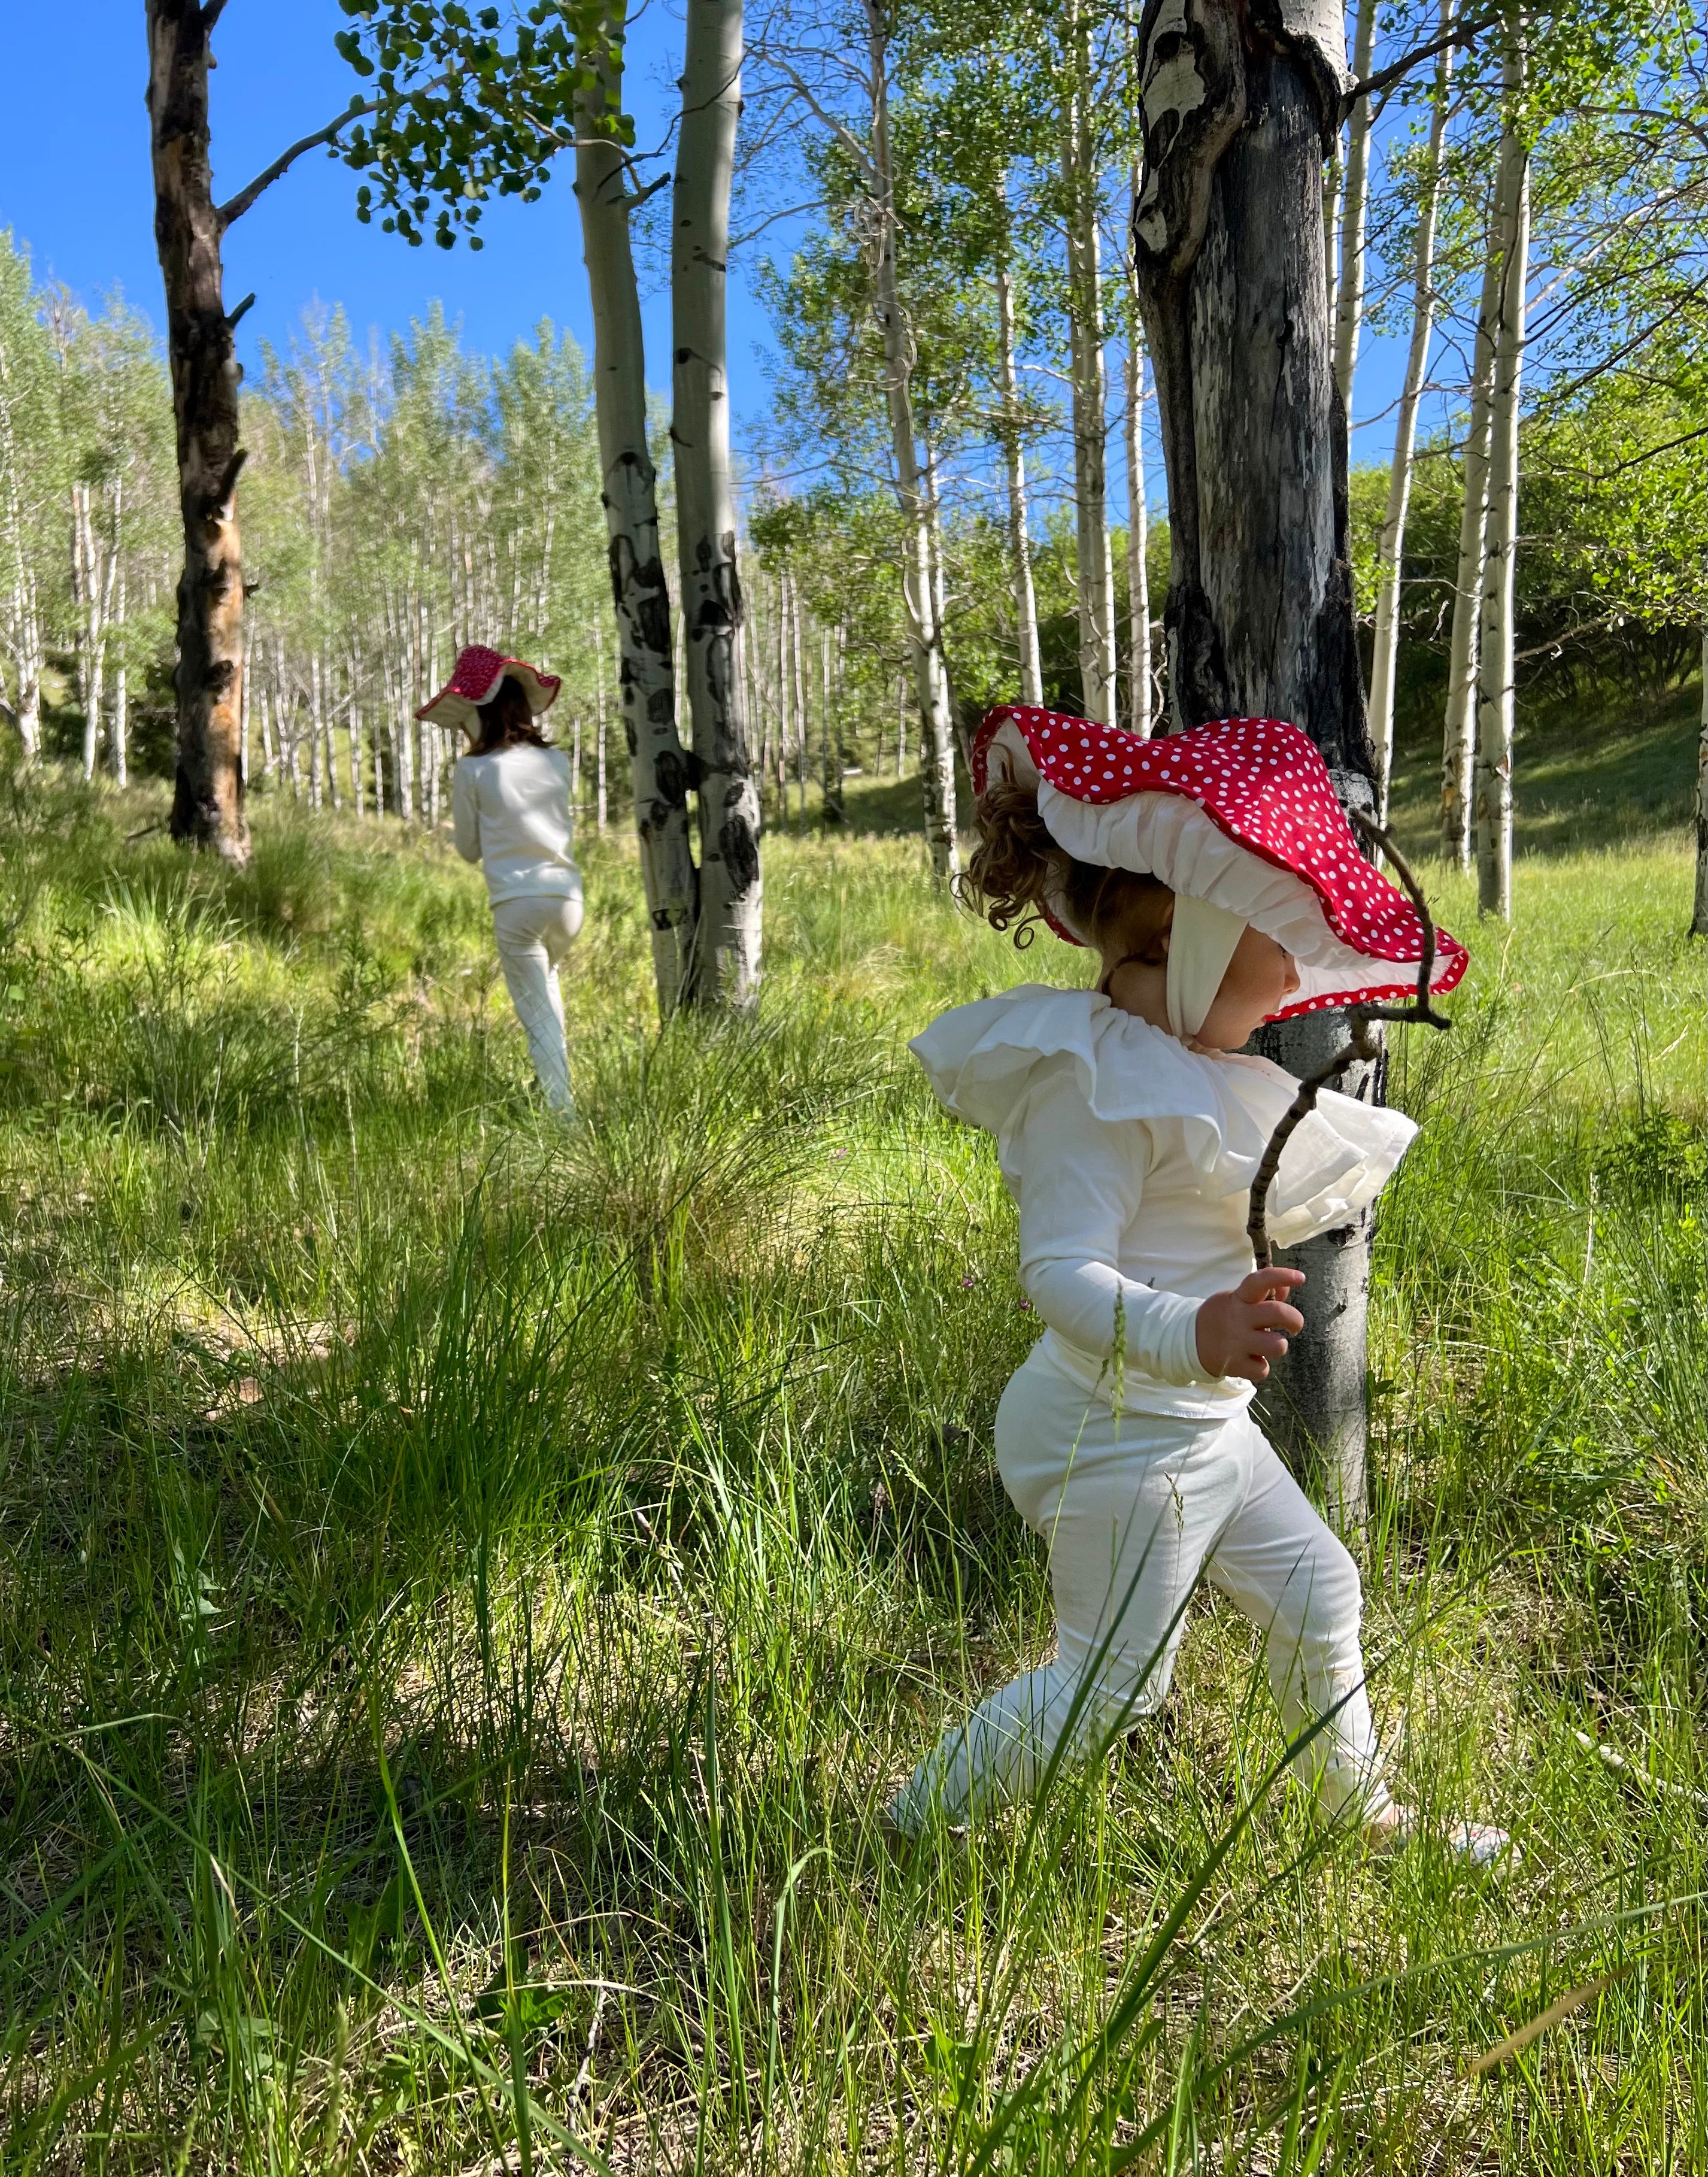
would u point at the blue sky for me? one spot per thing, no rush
(81, 198)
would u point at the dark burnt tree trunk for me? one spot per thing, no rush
(208, 800)
(1241, 107)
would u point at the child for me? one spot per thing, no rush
(1214, 875)
(509, 801)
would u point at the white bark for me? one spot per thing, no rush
(27, 646)
(1094, 560)
(1137, 535)
(1391, 553)
(1349, 292)
(1334, 178)
(1458, 722)
(1492, 777)
(728, 928)
(1699, 913)
(120, 729)
(646, 678)
(919, 590)
(601, 801)
(1014, 461)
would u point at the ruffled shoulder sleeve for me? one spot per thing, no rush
(981, 1059)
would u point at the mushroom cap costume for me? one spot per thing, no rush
(1130, 1156)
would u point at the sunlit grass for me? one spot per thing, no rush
(468, 1590)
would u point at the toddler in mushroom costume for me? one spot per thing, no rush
(1216, 877)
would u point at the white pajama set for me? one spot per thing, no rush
(510, 812)
(1130, 1158)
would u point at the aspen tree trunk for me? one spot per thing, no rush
(803, 723)
(783, 695)
(1138, 539)
(86, 592)
(639, 589)
(314, 760)
(1492, 780)
(829, 728)
(1458, 719)
(1349, 288)
(317, 734)
(121, 700)
(1698, 911)
(208, 794)
(26, 613)
(1093, 560)
(601, 804)
(1391, 553)
(1334, 179)
(1014, 461)
(246, 698)
(726, 961)
(1229, 240)
(918, 589)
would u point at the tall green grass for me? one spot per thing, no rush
(467, 1589)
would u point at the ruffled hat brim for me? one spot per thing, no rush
(458, 701)
(1242, 813)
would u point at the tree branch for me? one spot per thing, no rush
(211, 15)
(1462, 34)
(235, 207)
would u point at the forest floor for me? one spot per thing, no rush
(466, 1589)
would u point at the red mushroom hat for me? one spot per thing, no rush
(1241, 813)
(475, 680)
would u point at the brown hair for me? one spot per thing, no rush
(1017, 866)
(506, 720)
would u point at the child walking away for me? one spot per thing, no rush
(510, 806)
(1216, 879)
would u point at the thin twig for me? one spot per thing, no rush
(1362, 1044)
(1625, 1766)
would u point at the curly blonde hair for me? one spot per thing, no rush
(1017, 867)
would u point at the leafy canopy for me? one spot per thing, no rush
(473, 102)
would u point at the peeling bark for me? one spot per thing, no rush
(726, 962)
(1240, 109)
(208, 796)
(639, 590)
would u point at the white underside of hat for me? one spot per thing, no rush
(1169, 836)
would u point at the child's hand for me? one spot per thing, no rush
(1240, 1333)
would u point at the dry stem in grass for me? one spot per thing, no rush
(1363, 1043)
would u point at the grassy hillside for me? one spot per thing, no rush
(466, 1590)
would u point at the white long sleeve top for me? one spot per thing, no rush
(510, 813)
(1130, 1160)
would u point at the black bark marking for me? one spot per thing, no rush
(739, 847)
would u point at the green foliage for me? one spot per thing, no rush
(469, 106)
(467, 1589)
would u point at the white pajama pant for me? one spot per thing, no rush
(1134, 1510)
(533, 934)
